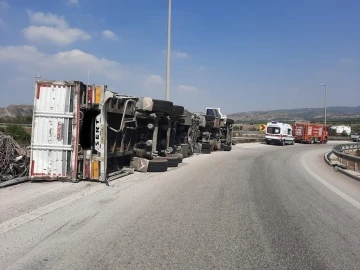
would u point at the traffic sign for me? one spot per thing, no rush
(262, 127)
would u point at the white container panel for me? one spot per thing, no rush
(53, 131)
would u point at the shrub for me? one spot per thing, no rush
(18, 133)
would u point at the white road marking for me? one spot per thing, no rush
(329, 186)
(20, 220)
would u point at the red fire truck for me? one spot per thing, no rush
(304, 132)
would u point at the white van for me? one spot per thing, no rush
(279, 133)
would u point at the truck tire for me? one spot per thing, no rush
(157, 165)
(282, 142)
(206, 146)
(178, 110)
(206, 151)
(227, 148)
(162, 106)
(230, 122)
(172, 161)
(179, 156)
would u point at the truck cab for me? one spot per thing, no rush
(215, 112)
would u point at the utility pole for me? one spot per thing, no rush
(167, 92)
(325, 101)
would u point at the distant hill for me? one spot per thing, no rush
(16, 110)
(316, 114)
(333, 113)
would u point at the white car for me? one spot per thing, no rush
(355, 137)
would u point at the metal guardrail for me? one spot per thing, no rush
(341, 151)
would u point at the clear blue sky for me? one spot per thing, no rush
(237, 55)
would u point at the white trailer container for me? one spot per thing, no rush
(54, 139)
(80, 132)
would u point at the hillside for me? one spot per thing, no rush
(15, 111)
(333, 113)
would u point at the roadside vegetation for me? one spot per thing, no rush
(16, 120)
(18, 133)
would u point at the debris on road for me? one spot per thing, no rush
(14, 161)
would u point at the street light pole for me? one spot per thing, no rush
(325, 101)
(167, 92)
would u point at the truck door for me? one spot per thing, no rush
(54, 140)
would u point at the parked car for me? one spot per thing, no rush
(355, 137)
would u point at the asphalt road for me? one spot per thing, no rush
(257, 207)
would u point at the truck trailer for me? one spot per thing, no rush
(80, 132)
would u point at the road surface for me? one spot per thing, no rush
(257, 207)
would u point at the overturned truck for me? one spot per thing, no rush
(86, 132)
(217, 132)
(152, 151)
(80, 132)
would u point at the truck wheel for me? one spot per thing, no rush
(179, 156)
(282, 142)
(162, 106)
(178, 110)
(227, 148)
(157, 165)
(206, 146)
(205, 151)
(172, 161)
